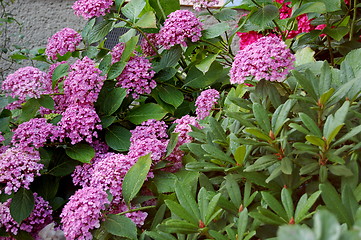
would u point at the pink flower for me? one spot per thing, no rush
(80, 123)
(1, 137)
(137, 77)
(146, 47)
(205, 102)
(27, 82)
(83, 84)
(92, 8)
(18, 168)
(268, 58)
(83, 213)
(247, 38)
(117, 52)
(66, 40)
(199, 4)
(180, 26)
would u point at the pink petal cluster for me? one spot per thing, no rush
(183, 128)
(247, 38)
(92, 8)
(138, 217)
(66, 40)
(117, 52)
(268, 58)
(39, 217)
(199, 4)
(34, 133)
(80, 123)
(83, 84)
(18, 168)
(83, 213)
(146, 47)
(149, 129)
(137, 77)
(205, 102)
(285, 10)
(180, 26)
(1, 137)
(27, 82)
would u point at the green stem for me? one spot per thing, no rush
(136, 209)
(353, 19)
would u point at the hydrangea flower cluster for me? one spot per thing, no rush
(27, 82)
(138, 217)
(39, 217)
(199, 4)
(137, 77)
(92, 8)
(80, 122)
(206, 100)
(268, 58)
(146, 47)
(183, 128)
(246, 38)
(83, 84)
(180, 26)
(34, 133)
(18, 168)
(117, 52)
(66, 40)
(83, 213)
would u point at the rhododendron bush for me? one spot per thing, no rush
(175, 134)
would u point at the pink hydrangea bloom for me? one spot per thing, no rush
(149, 129)
(268, 58)
(18, 168)
(180, 26)
(80, 123)
(199, 4)
(146, 47)
(303, 26)
(117, 52)
(108, 174)
(34, 133)
(39, 217)
(83, 84)
(137, 77)
(27, 82)
(183, 128)
(92, 8)
(205, 102)
(285, 10)
(83, 213)
(137, 217)
(247, 38)
(66, 40)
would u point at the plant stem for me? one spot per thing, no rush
(136, 209)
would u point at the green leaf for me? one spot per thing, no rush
(82, 152)
(196, 78)
(186, 199)
(306, 83)
(131, 40)
(177, 226)
(286, 166)
(226, 14)
(135, 177)
(148, 20)
(109, 100)
(266, 216)
(274, 204)
(233, 190)
(354, 131)
(171, 95)
(118, 4)
(217, 132)
(118, 138)
(211, 214)
(264, 16)
(22, 204)
(326, 226)
(172, 143)
(64, 168)
(304, 205)
(170, 58)
(46, 102)
(146, 111)
(181, 212)
(116, 69)
(332, 5)
(86, 30)
(121, 226)
(336, 33)
(340, 170)
(279, 118)
(312, 7)
(217, 153)
(262, 163)
(311, 125)
(215, 30)
(242, 222)
(298, 232)
(261, 117)
(258, 133)
(106, 121)
(29, 110)
(304, 55)
(287, 202)
(164, 7)
(105, 64)
(206, 63)
(59, 72)
(315, 140)
(240, 154)
(99, 31)
(132, 9)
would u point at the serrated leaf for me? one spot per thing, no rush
(264, 16)
(148, 20)
(133, 8)
(99, 31)
(215, 30)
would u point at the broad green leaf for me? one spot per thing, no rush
(148, 20)
(226, 14)
(170, 58)
(264, 16)
(130, 45)
(196, 79)
(312, 7)
(186, 199)
(336, 33)
(64, 168)
(105, 64)
(118, 4)
(99, 31)
(349, 201)
(274, 204)
(164, 7)
(217, 153)
(215, 30)
(135, 177)
(287, 202)
(279, 118)
(304, 205)
(29, 110)
(171, 95)
(46, 102)
(354, 131)
(160, 235)
(203, 167)
(315, 140)
(211, 214)
(266, 216)
(118, 138)
(116, 69)
(306, 83)
(146, 111)
(121, 226)
(340, 170)
(233, 190)
(286, 165)
(218, 133)
(242, 222)
(203, 203)
(298, 232)
(59, 72)
(206, 63)
(106, 121)
(177, 226)
(258, 133)
(304, 55)
(326, 226)
(22, 204)
(81, 152)
(133, 8)
(172, 143)
(181, 212)
(262, 163)
(87, 28)
(240, 154)
(311, 125)
(109, 100)
(261, 116)
(158, 217)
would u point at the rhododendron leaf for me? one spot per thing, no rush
(148, 20)
(47, 102)
(186, 199)
(177, 226)
(264, 16)
(233, 190)
(181, 212)
(147, 111)
(171, 95)
(120, 225)
(133, 8)
(135, 177)
(81, 152)
(262, 163)
(217, 153)
(160, 235)
(215, 30)
(22, 204)
(261, 116)
(304, 55)
(99, 31)
(311, 125)
(118, 138)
